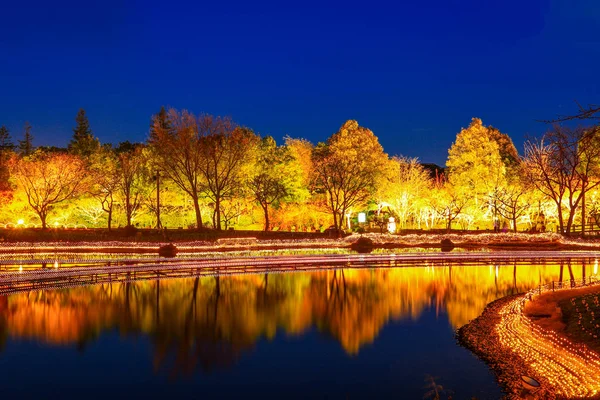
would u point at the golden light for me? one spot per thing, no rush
(572, 369)
(20, 222)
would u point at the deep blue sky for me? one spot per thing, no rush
(413, 72)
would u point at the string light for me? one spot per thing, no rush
(572, 369)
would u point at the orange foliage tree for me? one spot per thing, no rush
(48, 179)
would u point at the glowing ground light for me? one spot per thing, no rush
(573, 370)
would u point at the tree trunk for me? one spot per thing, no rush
(218, 212)
(109, 218)
(128, 212)
(197, 210)
(335, 219)
(561, 223)
(583, 212)
(42, 215)
(265, 208)
(572, 212)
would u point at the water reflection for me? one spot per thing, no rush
(209, 322)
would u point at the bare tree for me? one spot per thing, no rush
(589, 112)
(564, 165)
(512, 203)
(176, 141)
(132, 184)
(225, 150)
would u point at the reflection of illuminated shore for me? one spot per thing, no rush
(17, 279)
(518, 346)
(350, 305)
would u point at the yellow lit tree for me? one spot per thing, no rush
(478, 162)
(347, 167)
(49, 179)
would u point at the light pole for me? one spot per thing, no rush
(158, 224)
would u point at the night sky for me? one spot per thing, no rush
(413, 72)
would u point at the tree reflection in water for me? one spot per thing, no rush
(208, 322)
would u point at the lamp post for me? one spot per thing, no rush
(158, 224)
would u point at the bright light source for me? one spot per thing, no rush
(20, 222)
(362, 218)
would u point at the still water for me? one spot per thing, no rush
(370, 333)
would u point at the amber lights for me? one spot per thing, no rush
(572, 369)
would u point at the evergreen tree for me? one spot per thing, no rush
(6, 146)
(5, 139)
(26, 145)
(160, 121)
(83, 143)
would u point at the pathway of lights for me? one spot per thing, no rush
(572, 369)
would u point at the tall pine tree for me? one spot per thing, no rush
(160, 121)
(83, 143)
(6, 146)
(5, 139)
(26, 145)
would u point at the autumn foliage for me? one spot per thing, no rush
(208, 172)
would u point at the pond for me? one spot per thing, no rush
(346, 333)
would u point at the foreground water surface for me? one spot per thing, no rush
(338, 334)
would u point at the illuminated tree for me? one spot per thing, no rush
(514, 202)
(564, 165)
(175, 140)
(49, 179)
(26, 145)
(274, 177)
(83, 143)
(226, 150)
(347, 167)
(106, 179)
(478, 162)
(404, 188)
(449, 201)
(132, 186)
(474, 160)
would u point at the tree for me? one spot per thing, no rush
(26, 145)
(347, 167)
(449, 202)
(6, 148)
(160, 122)
(106, 176)
(514, 202)
(49, 179)
(226, 151)
(564, 165)
(404, 188)
(177, 147)
(83, 143)
(271, 180)
(479, 161)
(132, 185)
(6, 143)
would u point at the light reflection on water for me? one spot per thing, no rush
(374, 321)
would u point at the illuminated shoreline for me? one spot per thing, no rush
(492, 241)
(513, 345)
